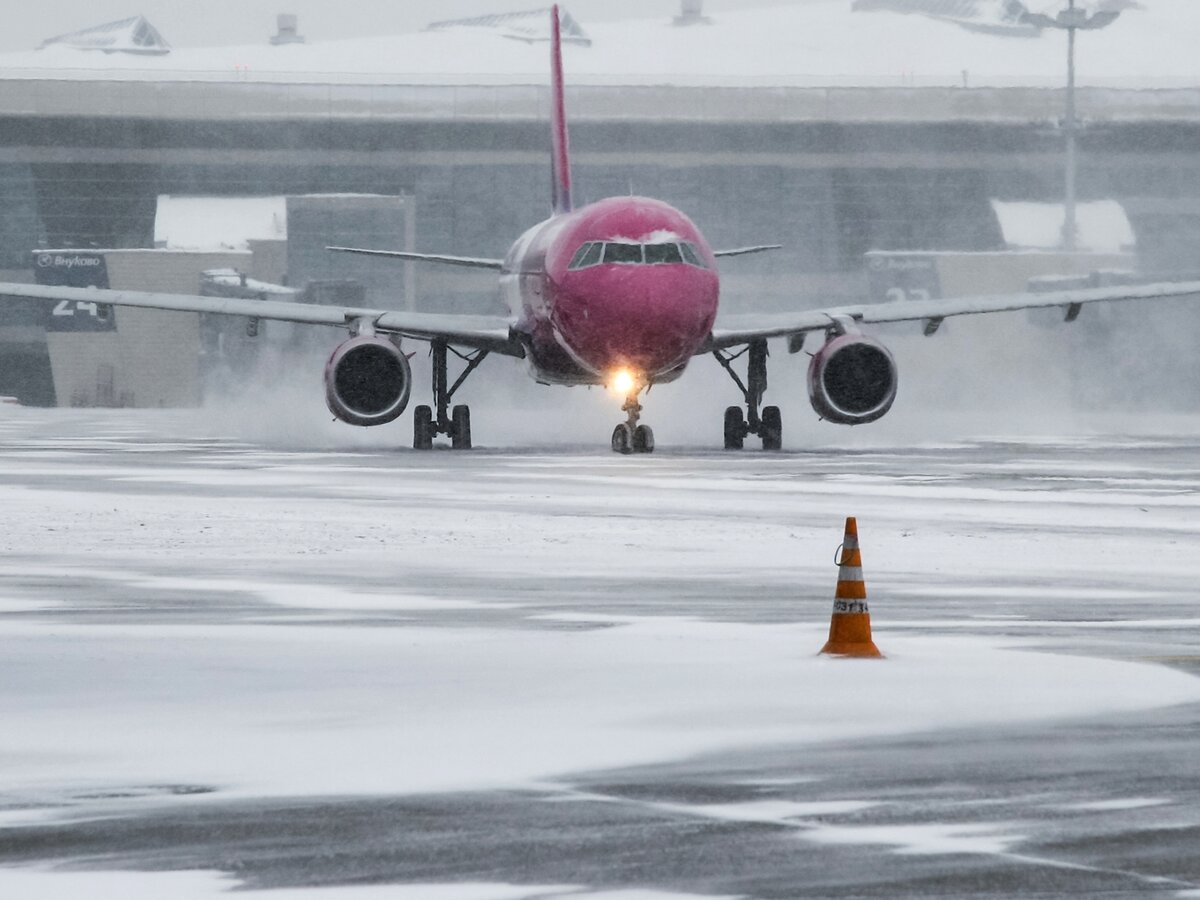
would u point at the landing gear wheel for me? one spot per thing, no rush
(735, 428)
(622, 439)
(772, 428)
(643, 439)
(768, 424)
(460, 428)
(422, 428)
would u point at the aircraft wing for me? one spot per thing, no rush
(471, 262)
(479, 262)
(493, 333)
(730, 331)
(742, 251)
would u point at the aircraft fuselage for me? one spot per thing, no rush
(627, 283)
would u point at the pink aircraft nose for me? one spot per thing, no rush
(650, 319)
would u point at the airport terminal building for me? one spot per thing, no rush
(825, 126)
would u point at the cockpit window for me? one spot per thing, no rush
(593, 253)
(622, 253)
(587, 255)
(659, 254)
(690, 256)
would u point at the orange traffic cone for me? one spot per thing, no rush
(850, 626)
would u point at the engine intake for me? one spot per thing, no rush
(852, 380)
(367, 381)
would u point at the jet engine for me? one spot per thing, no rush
(852, 380)
(367, 381)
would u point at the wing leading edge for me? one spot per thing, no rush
(743, 251)
(482, 262)
(471, 262)
(493, 333)
(730, 331)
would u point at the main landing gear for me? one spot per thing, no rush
(629, 436)
(454, 423)
(769, 424)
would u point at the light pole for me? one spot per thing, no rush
(1071, 20)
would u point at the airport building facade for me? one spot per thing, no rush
(867, 172)
(830, 172)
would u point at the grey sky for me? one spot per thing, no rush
(225, 22)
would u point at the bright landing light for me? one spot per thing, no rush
(621, 382)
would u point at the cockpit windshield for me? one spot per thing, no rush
(690, 256)
(587, 255)
(595, 253)
(659, 254)
(622, 253)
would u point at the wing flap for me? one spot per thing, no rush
(907, 311)
(484, 332)
(731, 331)
(493, 333)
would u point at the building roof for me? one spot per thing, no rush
(530, 25)
(1102, 226)
(1000, 17)
(133, 35)
(816, 43)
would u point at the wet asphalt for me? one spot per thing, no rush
(1108, 807)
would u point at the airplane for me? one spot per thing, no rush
(623, 292)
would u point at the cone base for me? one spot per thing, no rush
(856, 649)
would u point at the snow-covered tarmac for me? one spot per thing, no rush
(193, 626)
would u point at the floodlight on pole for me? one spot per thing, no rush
(1071, 20)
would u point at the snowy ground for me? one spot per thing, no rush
(516, 673)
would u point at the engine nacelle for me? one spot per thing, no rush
(367, 381)
(852, 380)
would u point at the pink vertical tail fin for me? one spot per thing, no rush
(560, 148)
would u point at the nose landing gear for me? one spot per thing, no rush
(629, 436)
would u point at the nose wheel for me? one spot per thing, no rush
(630, 436)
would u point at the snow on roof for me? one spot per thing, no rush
(1102, 225)
(209, 223)
(530, 25)
(1090, 7)
(817, 43)
(1001, 17)
(234, 278)
(132, 35)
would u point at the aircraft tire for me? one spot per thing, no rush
(643, 439)
(460, 428)
(422, 428)
(735, 428)
(622, 439)
(772, 428)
